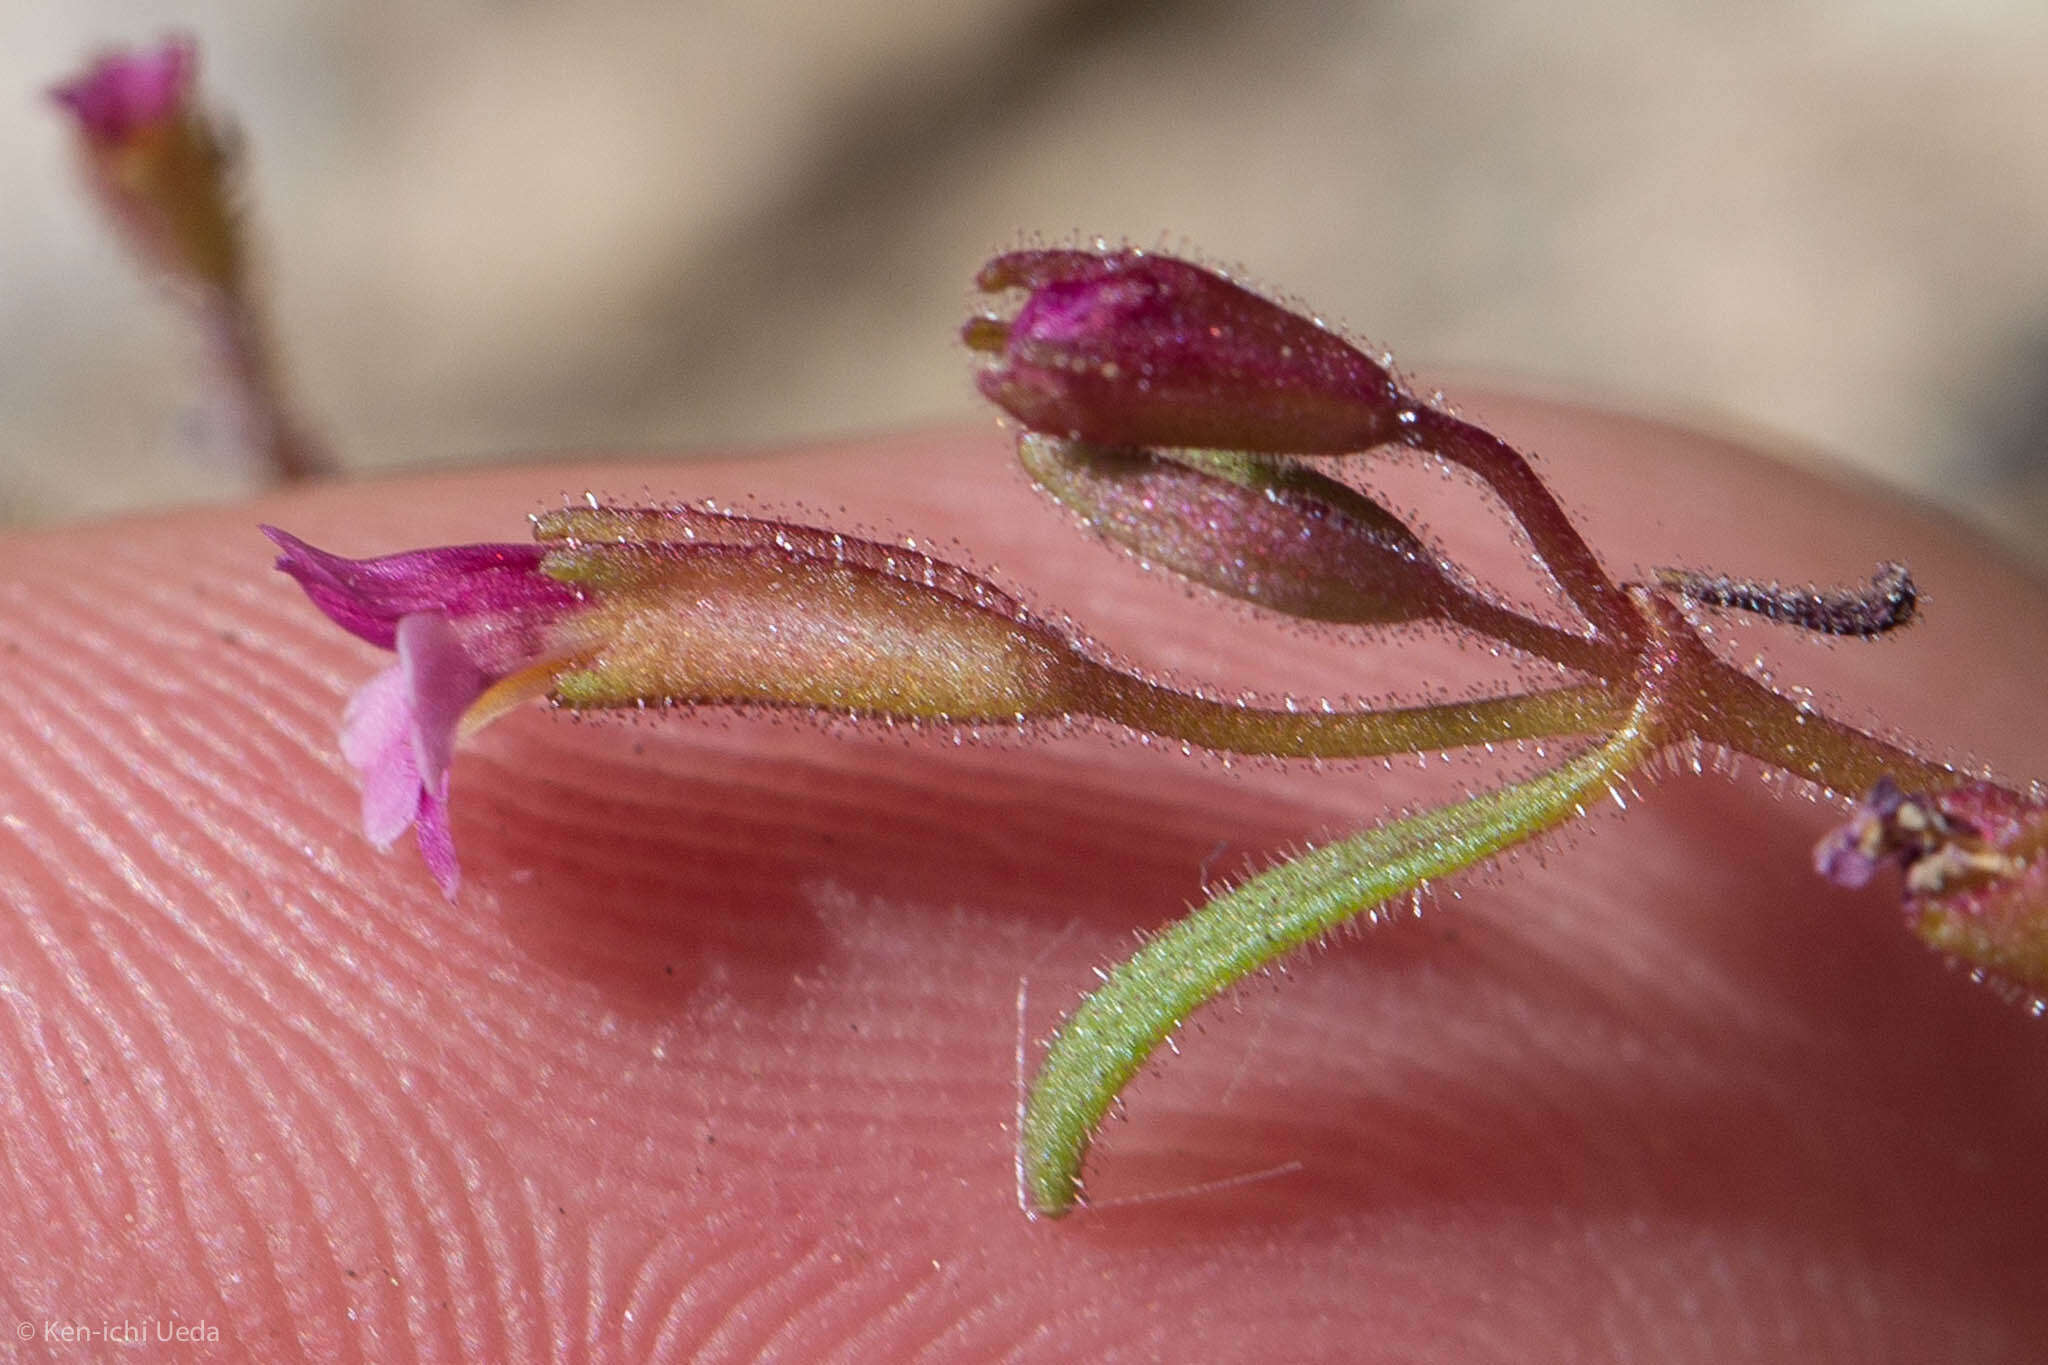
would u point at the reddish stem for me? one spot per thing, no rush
(1718, 704)
(1565, 554)
(1537, 638)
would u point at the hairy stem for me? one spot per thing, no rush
(1507, 472)
(1536, 638)
(1143, 705)
(1715, 703)
(1738, 712)
(939, 644)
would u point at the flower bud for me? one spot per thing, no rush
(1259, 528)
(1130, 349)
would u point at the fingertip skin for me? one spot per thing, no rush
(714, 1055)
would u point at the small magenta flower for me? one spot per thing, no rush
(157, 162)
(462, 620)
(632, 607)
(1126, 348)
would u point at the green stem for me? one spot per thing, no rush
(1130, 700)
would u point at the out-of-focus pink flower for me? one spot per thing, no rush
(156, 161)
(1126, 348)
(161, 169)
(125, 95)
(461, 619)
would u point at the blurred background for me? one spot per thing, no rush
(494, 227)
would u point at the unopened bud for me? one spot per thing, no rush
(1263, 529)
(1127, 348)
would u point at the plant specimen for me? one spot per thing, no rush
(1201, 427)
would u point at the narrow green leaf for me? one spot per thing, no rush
(1104, 1042)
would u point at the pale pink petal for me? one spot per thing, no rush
(377, 740)
(441, 682)
(437, 842)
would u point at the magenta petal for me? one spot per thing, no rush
(441, 682)
(502, 584)
(377, 740)
(437, 842)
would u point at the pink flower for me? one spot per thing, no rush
(461, 619)
(125, 93)
(1126, 348)
(677, 606)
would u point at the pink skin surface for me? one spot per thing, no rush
(713, 1058)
